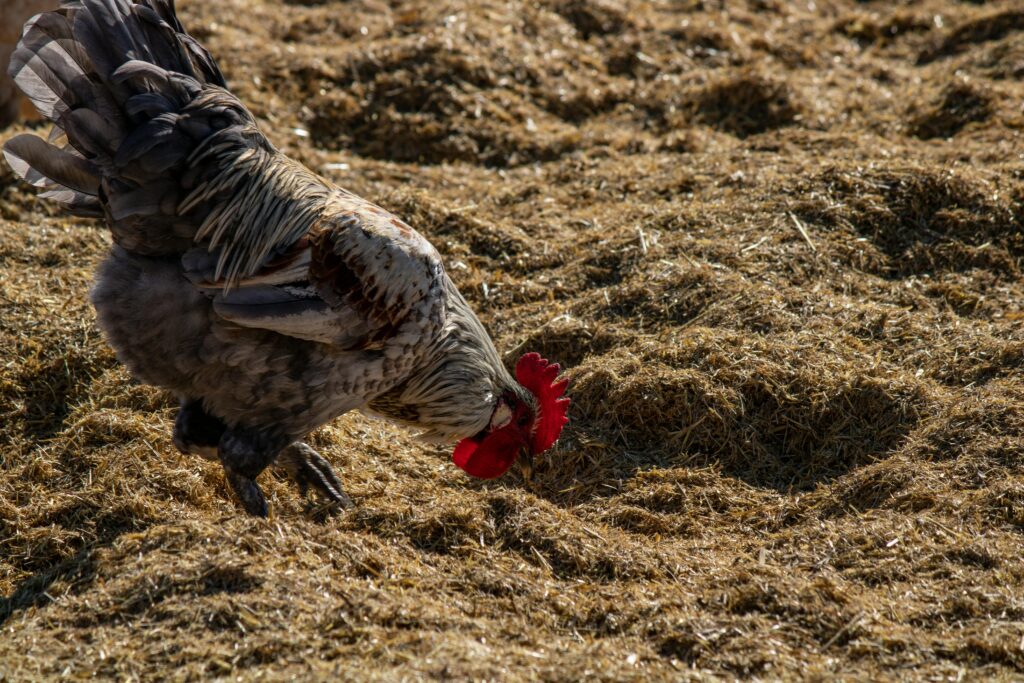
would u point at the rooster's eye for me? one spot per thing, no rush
(502, 416)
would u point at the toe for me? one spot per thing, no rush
(309, 469)
(326, 482)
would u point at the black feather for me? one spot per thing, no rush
(144, 201)
(95, 136)
(77, 203)
(148, 105)
(144, 138)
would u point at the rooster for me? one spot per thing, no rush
(268, 299)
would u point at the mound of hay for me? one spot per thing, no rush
(959, 104)
(789, 306)
(746, 104)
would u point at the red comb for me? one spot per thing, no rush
(539, 376)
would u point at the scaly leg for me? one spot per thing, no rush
(244, 454)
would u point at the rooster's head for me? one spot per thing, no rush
(526, 421)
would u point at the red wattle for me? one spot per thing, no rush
(489, 458)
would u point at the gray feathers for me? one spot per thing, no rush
(289, 311)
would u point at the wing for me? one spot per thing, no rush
(358, 279)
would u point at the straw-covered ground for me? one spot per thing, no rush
(776, 244)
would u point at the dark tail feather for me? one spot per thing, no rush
(28, 154)
(132, 96)
(65, 176)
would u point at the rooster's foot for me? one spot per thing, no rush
(308, 468)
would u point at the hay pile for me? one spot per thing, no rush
(778, 246)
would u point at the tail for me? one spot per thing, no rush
(146, 135)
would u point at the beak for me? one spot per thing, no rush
(526, 464)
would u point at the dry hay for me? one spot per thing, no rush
(957, 105)
(778, 250)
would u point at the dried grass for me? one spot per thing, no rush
(790, 307)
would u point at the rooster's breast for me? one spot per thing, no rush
(165, 331)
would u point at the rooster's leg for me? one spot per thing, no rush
(196, 432)
(308, 468)
(244, 454)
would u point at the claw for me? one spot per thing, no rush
(308, 468)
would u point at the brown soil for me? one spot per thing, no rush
(776, 244)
